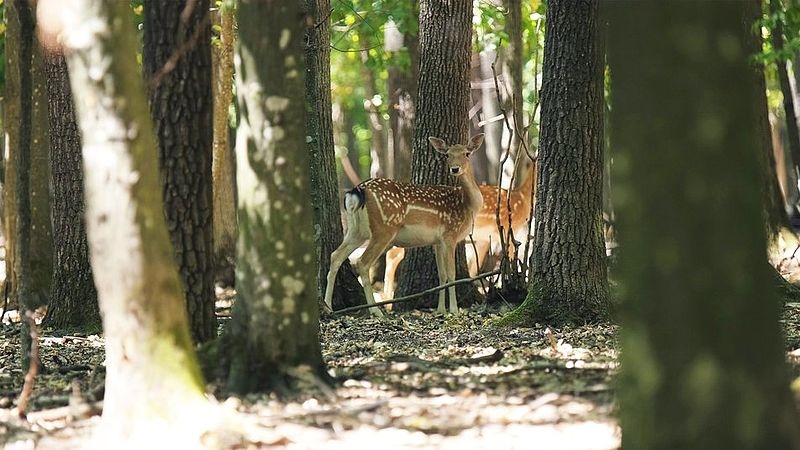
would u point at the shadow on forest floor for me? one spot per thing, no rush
(413, 380)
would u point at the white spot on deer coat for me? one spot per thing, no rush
(284, 40)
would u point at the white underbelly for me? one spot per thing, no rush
(417, 236)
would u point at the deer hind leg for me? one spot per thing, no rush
(393, 258)
(348, 246)
(377, 245)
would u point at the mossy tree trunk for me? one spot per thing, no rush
(223, 169)
(73, 295)
(568, 282)
(325, 198)
(177, 68)
(443, 102)
(275, 320)
(152, 376)
(691, 377)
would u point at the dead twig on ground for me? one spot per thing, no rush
(33, 368)
(417, 295)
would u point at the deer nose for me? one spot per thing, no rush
(455, 170)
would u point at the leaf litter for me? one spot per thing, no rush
(413, 380)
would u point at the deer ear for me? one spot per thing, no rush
(438, 144)
(476, 141)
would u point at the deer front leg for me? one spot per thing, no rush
(450, 264)
(440, 252)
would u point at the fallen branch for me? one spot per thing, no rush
(33, 367)
(417, 295)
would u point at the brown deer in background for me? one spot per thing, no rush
(516, 204)
(386, 212)
(514, 209)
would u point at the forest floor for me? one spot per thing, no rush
(414, 380)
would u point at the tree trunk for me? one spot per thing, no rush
(445, 34)
(786, 90)
(568, 274)
(73, 295)
(223, 162)
(41, 246)
(691, 378)
(325, 198)
(177, 67)
(275, 323)
(150, 363)
(19, 111)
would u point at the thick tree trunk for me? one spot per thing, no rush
(445, 34)
(177, 67)
(223, 161)
(568, 274)
(691, 378)
(275, 323)
(325, 197)
(73, 296)
(152, 376)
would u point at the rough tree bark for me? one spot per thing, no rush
(275, 323)
(152, 376)
(73, 295)
(177, 67)
(568, 281)
(443, 97)
(690, 377)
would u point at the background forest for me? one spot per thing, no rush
(579, 220)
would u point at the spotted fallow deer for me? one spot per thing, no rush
(485, 232)
(386, 212)
(514, 208)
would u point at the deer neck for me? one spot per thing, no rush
(527, 186)
(472, 193)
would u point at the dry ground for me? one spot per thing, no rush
(411, 381)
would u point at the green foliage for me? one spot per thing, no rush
(358, 54)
